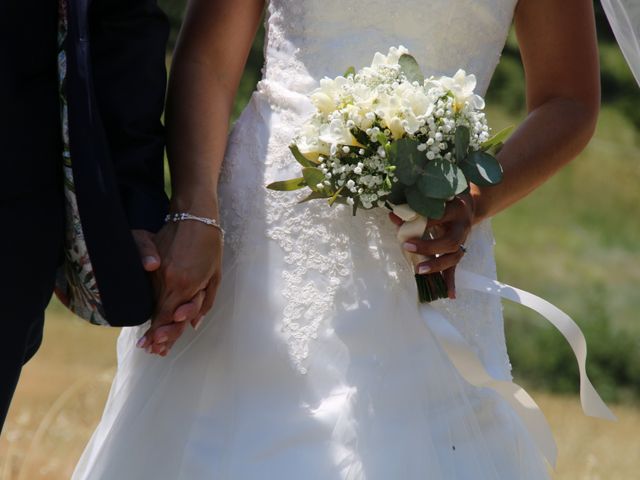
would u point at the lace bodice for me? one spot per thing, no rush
(310, 39)
(329, 257)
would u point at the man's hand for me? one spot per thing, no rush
(151, 261)
(187, 281)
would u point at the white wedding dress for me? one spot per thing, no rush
(314, 363)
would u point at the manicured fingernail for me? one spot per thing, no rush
(410, 247)
(149, 260)
(196, 325)
(140, 343)
(422, 269)
(180, 318)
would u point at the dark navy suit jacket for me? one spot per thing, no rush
(116, 80)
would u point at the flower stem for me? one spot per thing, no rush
(431, 287)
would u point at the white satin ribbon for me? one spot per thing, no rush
(470, 366)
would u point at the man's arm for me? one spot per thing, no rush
(128, 44)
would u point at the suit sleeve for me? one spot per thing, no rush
(128, 48)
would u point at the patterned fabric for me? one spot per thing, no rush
(76, 285)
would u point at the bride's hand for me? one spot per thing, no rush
(453, 227)
(190, 273)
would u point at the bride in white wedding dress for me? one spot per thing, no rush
(315, 363)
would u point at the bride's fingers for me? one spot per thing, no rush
(188, 312)
(209, 298)
(448, 243)
(441, 263)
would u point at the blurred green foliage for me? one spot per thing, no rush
(575, 241)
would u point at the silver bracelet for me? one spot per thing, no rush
(180, 217)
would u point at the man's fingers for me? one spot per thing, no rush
(147, 249)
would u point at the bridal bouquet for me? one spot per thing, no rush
(386, 136)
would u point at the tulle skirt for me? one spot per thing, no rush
(377, 398)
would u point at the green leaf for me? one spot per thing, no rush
(349, 71)
(313, 196)
(425, 206)
(335, 196)
(498, 139)
(361, 136)
(301, 159)
(411, 69)
(409, 162)
(313, 176)
(288, 185)
(463, 137)
(397, 195)
(482, 169)
(441, 179)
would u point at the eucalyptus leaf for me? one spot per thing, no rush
(409, 162)
(313, 196)
(425, 206)
(462, 140)
(313, 176)
(300, 158)
(441, 179)
(288, 185)
(397, 195)
(361, 136)
(482, 169)
(411, 69)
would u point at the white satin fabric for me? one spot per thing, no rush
(624, 17)
(315, 362)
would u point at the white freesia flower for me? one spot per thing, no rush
(308, 141)
(391, 58)
(337, 133)
(463, 86)
(390, 111)
(327, 97)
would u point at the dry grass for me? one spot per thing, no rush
(62, 391)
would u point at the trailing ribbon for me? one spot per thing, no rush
(470, 366)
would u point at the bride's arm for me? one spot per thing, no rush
(559, 52)
(209, 60)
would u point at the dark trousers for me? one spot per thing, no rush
(30, 250)
(31, 201)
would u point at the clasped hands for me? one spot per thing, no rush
(184, 261)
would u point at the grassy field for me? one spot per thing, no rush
(62, 392)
